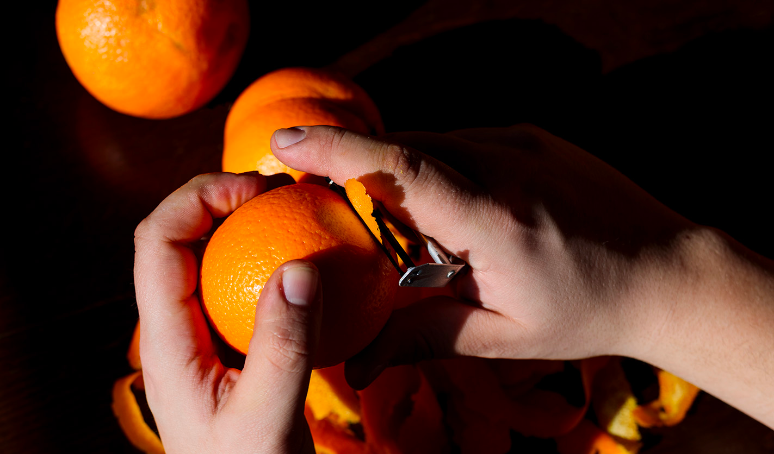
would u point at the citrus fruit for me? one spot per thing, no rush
(152, 59)
(292, 97)
(299, 221)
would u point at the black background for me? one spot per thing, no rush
(694, 127)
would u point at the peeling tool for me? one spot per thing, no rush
(438, 274)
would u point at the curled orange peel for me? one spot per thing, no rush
(545, 414)
(614, 403)
(386, 404)
(133, 355)
(423, 431)
(586, 438)
(362, 203)
(331, 438)
(478, 394)
(675, 399)
(127, 410)
(330, 397)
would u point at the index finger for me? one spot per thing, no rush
(421, 191)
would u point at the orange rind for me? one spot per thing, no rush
(614, 403)
(675, 399)
(586, 438)
(133, 354)
(127, 411)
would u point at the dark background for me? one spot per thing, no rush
(676, 95)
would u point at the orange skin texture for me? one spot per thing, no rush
(153, 59)
(292, 97)
(300, 221)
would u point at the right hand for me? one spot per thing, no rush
(562, 248)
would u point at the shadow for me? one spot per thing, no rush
(314, 34)
(495, 73)
(691, 127)
(355, 302)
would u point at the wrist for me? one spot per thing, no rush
(669, 291)
(706, 315)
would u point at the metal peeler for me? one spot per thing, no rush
(438, 274)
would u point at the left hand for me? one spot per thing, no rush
(199, 404)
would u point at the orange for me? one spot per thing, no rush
(152, 59)
(292, 97)
(300, 221)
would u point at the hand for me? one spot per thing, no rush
(555, 238)
(199, 404)
(568, 259)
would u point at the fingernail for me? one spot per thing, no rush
(299, 285)
(287, 137)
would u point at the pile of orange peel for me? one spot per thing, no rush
(471, 404)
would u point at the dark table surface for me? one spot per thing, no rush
(677, 95)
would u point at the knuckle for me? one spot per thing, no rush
(287, 349)
(141, 233)
(201, 180)
(334, 139)
(529, 137)
(405, 164)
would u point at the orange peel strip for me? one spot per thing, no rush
(586, 438)
(545, 414)
(330, 438)
(675, 399)
(386, 404)
(423, 431)
(330, 397)
(614, 403)
(361, 201)
(130, 418)
(133, 355)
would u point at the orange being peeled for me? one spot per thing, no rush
(300, 221)
(152, 59)
(292, 97)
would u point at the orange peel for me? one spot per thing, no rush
(363, 205)
(330, 397)
(614, 403)
(675, 399)
(401, 414)
(330, 438)
(586, 438)
(127, 411)
(133, 354)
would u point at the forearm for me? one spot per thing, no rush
(711, 321)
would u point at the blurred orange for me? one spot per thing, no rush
(292, 97)
(153, 59)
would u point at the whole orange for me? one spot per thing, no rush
(152, 59)
(299, 221)
(292, 97)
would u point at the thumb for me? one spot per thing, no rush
(435, 328)
(274, 381)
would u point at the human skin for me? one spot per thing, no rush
(568, 259)
(200, 405)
